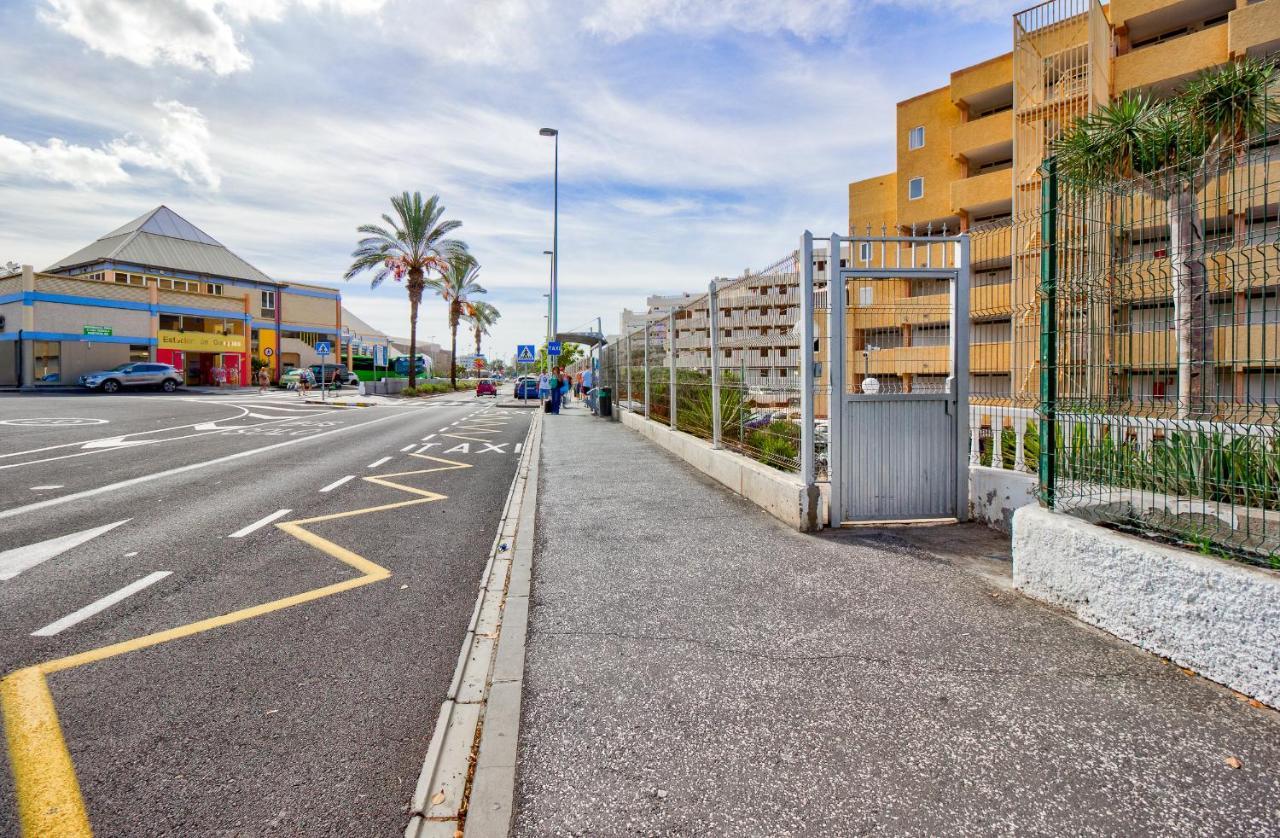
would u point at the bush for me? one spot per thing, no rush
(777, 443)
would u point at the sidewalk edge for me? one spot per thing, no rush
(451, 776)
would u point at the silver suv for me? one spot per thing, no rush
(138, 374)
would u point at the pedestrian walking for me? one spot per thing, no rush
(304, 383)
(557, 392)
(544, 386)
(263, 379)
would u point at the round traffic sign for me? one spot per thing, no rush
(268, 352)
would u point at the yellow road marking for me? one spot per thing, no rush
(44, 777)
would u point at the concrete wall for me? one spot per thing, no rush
(9, 363)
(71, 319)
(301, 309)
(1218, 618)
(781, 495)
(996, 493)
(79, 358)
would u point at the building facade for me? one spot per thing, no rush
(158, 289)
(969, 158)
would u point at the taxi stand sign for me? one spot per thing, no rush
(553, 347)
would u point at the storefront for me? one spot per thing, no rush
(206, 358)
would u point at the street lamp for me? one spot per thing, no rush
(548, 317)
(555, 233)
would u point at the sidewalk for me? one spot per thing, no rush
(694, 668)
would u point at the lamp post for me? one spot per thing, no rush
(548, 317)
(555, 232)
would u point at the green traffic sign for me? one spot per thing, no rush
(105, 331)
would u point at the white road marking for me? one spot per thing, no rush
(425, 447)
(101, 605)
(445, 428)
(242, 412)
(461, 448)
(516, 450)
(335, 484)
(147, 478)
(406, 448)
(13, 562)
(257, 525)
(377, 463)
(47, 488)
(427, 437)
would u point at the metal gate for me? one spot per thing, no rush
(898, 451)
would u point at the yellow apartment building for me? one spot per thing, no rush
(968, 159)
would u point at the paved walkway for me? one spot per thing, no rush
(694, 668)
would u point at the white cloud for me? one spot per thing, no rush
(57, 162)
(622, 19)
(195, 34)
(179, 148)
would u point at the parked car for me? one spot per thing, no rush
(289, 380)
(527, 388)
(486, 387)
(334, 374)
(134, 374)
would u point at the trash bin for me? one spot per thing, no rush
(605, 400)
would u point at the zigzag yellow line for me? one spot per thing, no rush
(45, 784)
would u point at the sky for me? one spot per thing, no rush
(698, 138)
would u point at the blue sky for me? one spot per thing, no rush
(697, 138)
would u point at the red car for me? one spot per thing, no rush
(486, 387)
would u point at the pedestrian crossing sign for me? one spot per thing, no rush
(524, 353)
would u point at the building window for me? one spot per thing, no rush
(139, 352)
(268, 303)
(865, 295)
(130, 279)
(864, 251)
(915, 189)
(48, 361)
(915, 138)
(213, 288)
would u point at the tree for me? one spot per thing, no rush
(482, 316)
(1170, 149)
(457, 286)
(413, 244)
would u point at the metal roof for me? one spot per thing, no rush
(163, 239)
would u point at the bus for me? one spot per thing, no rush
(362, 366)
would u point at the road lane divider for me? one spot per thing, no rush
(101, 605)
(147, 478)
(378, 462)
(335, 484)
(407, 448)
(260, 523)
(45, 784)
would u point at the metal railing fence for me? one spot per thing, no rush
(724, 366)
(1162, 366)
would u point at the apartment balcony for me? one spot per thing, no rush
(983, 193)
(1235, 270)
(931, 360)
(1124, 11)
(1158, 350)
(1254, 29)
(1174, 59)
(983, 137)
(983, 82)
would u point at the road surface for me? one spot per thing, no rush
(246, 609)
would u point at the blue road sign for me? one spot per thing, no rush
(323, 347)
(525, 353)
(553, 347)
(379, 355)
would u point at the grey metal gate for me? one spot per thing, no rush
(897, 453)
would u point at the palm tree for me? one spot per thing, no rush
(457, 286)
(483, 315)
(413, 244)
(1171, 149)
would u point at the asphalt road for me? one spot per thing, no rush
(308, 717)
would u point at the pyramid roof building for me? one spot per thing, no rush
(162, 239)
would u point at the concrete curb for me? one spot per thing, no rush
(464, 769)
(338, 405)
